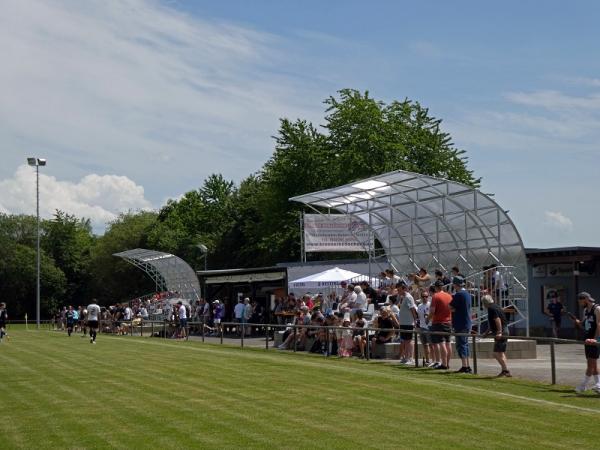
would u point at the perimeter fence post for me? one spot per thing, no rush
(474, 354)
(165, 329)
(221, 329)
(152, 328)
(368, 347)
(202, 324)
(553, 362)
(416, 355)
(327, 343)
(243, 333)
(295, 341)
(267, 338)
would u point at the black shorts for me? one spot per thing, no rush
(500, 345)
(406, 336)
(425, 337)
(438, 338)
(592, 351)
(93, 323)
(383, 339)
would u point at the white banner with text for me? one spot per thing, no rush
(335, 233)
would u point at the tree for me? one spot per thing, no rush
(112, 279)
(200, 216)
(18, 273)
(69, 241)
(362, 137)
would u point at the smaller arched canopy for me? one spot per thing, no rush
(169, 272)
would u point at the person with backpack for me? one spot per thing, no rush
(591, 333)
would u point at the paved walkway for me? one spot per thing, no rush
(570, 361)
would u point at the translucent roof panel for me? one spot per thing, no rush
(169, 272)
(423, 221)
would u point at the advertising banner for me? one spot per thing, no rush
(335, 233)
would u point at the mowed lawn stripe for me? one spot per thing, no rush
(186, 394)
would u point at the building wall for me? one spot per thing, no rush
(568, 284)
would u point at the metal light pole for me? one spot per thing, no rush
(37, 162)
(204, 249)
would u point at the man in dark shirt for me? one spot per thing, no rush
(497, 327)
(555, 310)
(386, 321)
(461, 321)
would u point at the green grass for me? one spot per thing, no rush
(131, 392)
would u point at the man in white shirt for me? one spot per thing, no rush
(360, 302)
(182, 313)
(127, 313)
(93, 320)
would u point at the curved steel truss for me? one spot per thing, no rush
(169, 272)
(424, 221)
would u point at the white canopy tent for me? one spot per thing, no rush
(330, 278)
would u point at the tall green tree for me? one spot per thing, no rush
(361, 137)
(69, 241)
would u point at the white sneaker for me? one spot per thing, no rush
(433, 364)
(409, 362)
(581, 388)
(596, 388)
(282, 347)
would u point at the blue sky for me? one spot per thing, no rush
(134, 101)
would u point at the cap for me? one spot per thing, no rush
(216, 301)
(585, 295)
(459, 281)
(401, 283)
(439, 283)
(180, 302)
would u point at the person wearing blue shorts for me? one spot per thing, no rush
(461, 321)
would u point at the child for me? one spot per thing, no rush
(345, 338)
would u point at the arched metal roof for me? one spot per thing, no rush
(424, 221)
(169, 272)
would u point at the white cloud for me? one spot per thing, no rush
(555, 100)
(137, 88)
(558, 220)
(98, 197)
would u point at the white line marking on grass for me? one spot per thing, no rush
(354, 369)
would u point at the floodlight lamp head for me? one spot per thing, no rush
(203, 248)
(36, 161)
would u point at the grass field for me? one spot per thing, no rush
(131, 392)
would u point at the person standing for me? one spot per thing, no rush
(3, 320)
(498, 327)
(71, 320)
(238, 313)
(555, 311)
(591, 329)
(439, 312)
(406, 319)
(423, 325)
(461, 321)
(182, 314)
(93, 320)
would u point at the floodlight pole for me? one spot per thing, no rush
(204, 249)
(37, 162)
